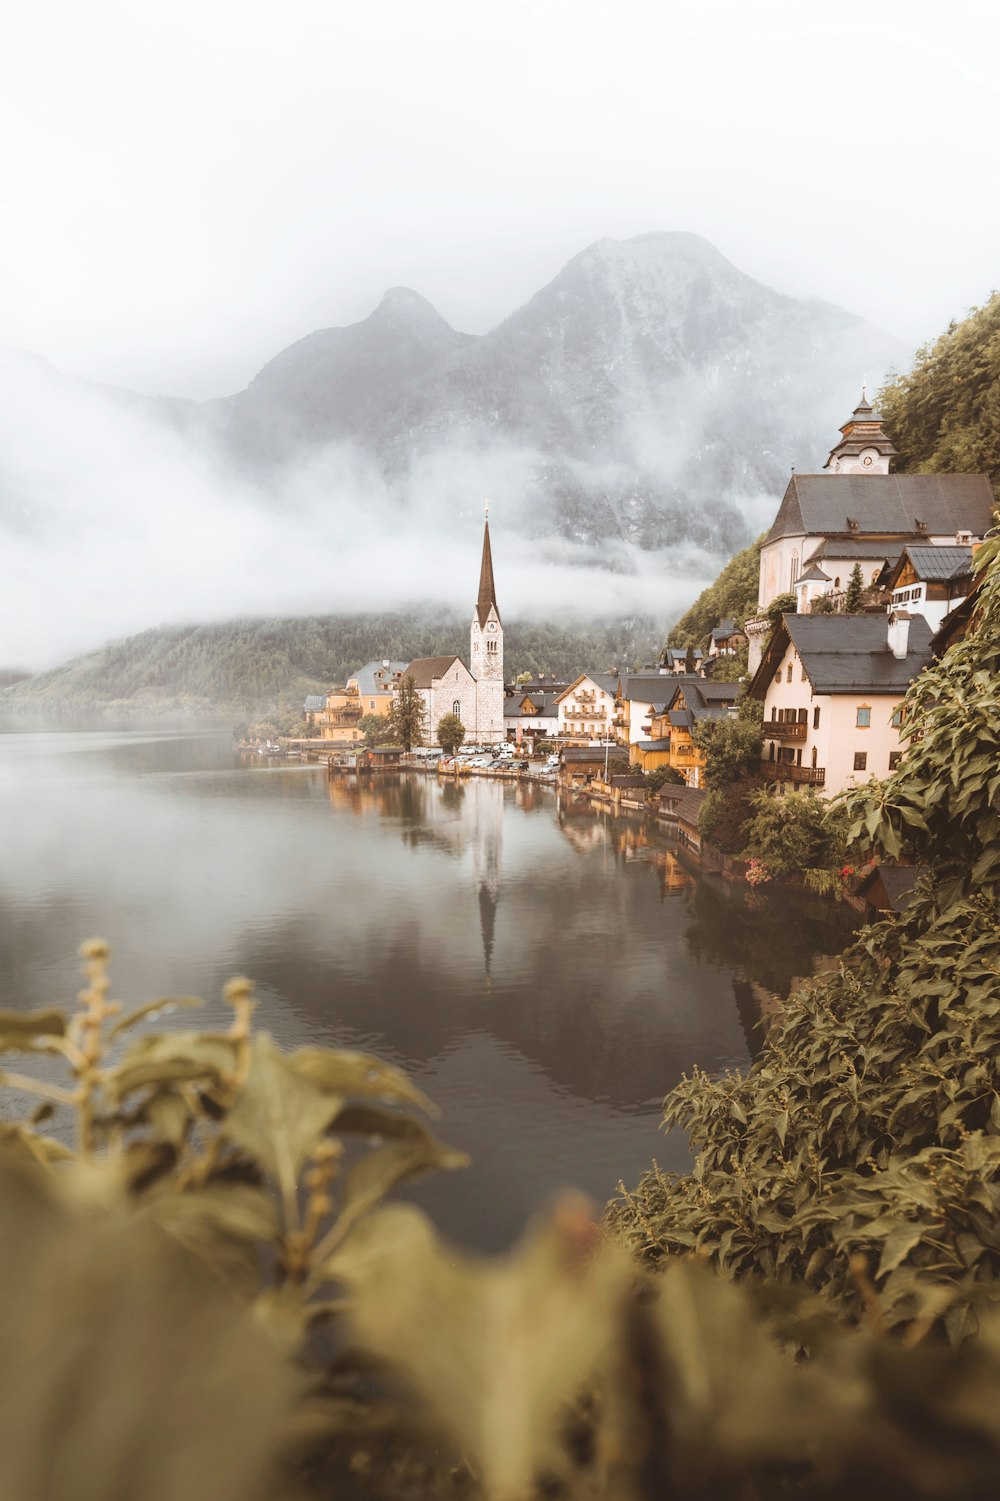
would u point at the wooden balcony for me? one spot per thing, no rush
(775, 729)
(784, 771)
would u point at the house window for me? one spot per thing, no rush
(803, 674)
(864, 718)
(814, 756)
(794, 570)
(894, 759)
(371, 703)
(789, 675)
(774, 712)
(860, 760)
(897, 717)
(456, 707)
(816, 717)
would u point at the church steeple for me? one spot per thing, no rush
(864, 447)
(487, 588)
(486, 651)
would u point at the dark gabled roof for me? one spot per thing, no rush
(314, 702)
(684, 802)
(696, 714)
(653, 687)
(857, 550)
(898, 883)
(651, 745)
(545, 706)
(938, 563)
(585, 753)
(487, 587)
(716, 690)
(813, 573)
(725, 629)
(423, 670)
(846, 654)
(820, 504)
(679, 653)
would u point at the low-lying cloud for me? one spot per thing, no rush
(114, 518)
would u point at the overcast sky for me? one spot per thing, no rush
(189, 186)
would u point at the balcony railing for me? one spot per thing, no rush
(784, 771)
(776, 729)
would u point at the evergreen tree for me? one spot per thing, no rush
(854, 598)
(406, 718)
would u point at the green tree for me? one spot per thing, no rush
(731, 747)
(854, 598)
(784, 604)
(407, 716)
(795, 833)
(450, 733)
(375, 728)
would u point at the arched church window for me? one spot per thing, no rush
(456, 707)
(795, 570)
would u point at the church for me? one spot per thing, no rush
(474, 693)
(856, 511)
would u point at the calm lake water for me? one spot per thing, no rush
(545, 973)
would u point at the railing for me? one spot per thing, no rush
(776, 729)
(583, 713)
(784, 771)
(584, 696)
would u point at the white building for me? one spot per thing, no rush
(447, 686)
(855, 511)
(832, 687)
(587, 707)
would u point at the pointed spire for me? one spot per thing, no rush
(487, 588)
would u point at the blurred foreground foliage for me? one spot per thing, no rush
(203, 1297)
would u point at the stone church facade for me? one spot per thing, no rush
(447, 686)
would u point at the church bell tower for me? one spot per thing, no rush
(486, 652)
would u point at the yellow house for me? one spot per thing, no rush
(375, 685)
(691, 703)
(339, 720)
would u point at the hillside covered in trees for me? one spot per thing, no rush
(944, 416)
(251, 667)
(733, 593)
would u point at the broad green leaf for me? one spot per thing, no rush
(378, 1172)
(279, 1115)
(345, 1074)
(173, 1057)
(497, 1349)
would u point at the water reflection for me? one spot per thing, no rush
(546, 973)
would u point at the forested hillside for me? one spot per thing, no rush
(733, 593)
(944, 417)
(248, 667)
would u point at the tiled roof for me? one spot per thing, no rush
(891, 503)
(898, 881)
(938, 562)
(856, 550)
(850, 653)
(314, 703)
(376, 677)
(423, 670)
(685, 802)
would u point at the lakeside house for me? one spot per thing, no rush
(832, 688)
(671, 743)
(531, 711)
(587, 707)
(726, 640)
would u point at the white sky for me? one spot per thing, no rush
(187, 187)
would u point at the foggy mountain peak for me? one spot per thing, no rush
(634, 422)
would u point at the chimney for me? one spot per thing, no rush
(385, 661)
(899, 633)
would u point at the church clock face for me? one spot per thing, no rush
(493, 625)
(867, 461)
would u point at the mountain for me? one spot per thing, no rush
(648, 393)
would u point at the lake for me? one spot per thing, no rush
(545, 971)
